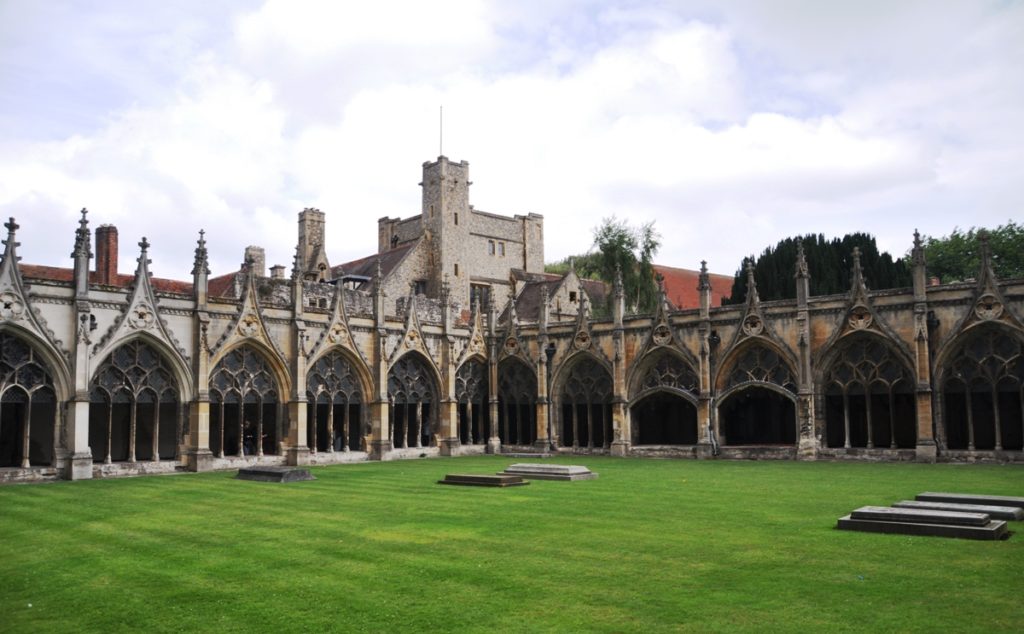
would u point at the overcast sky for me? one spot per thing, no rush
(730, 125)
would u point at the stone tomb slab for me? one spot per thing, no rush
(532, 471)
(274, 474)
(970, 498)
(483, 480)
(880, 519)
(1011, 513)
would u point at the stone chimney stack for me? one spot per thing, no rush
(277, 272)
(259, 260)
(106, 254)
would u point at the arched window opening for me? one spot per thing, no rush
(662, 416)
(586, 406)
(869, 398)
(335, 415)
(517, 403)
(983, 393)
(471, 396)
(134, 410)
(28, 406)
(759, 364)
(243, 405)
(412, 395)
(757, 416)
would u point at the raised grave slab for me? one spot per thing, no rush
(1011, 513)
(970, 498)
(526, 454)
(533, 471)
(881, 519)
(274, 474)
(478, 480)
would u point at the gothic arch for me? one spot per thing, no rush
(135, 404)
(176, 365)
(663, 399)
(867, 388)
(29, 429)
(517, 400)
(414, 391)
(471, 397)
(756, 396)
(981, 389)
(279, 370)
(357, 363)
(336, 394)
(246, 398)
(55, 363)
(582, 395)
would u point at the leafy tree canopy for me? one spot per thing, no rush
(829, 261)
(956, 257)
(617, 243)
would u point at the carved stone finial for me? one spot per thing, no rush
(752, 296)
(857, 280)
(917, 253)
(83, 246)
(144, 244)
(987, 275)
(446, 288)
(801, 261)
(10, 244)
(201, 263)
(618, 285)
(703, 280)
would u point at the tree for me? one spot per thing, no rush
(830, 263)
(619, 244)
(956, 257)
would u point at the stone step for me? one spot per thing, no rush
(274, 474)
(994, 529)
(919, 516)
(970, 498)
(537, 471)
(483, 480)
(1011, 513)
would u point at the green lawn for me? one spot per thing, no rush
(652, 545)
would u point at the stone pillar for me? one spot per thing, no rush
(926, 449)
(706, 434)
(298, 452)
(80, 462)
(448, 434)
(198, 456)
(807, 442)
(622, 434)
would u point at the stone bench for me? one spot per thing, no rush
(475, 480)
(970, 498)
(532, 471)
(274, 474)
(904, 521)
(1011, 513)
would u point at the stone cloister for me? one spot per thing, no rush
(104, 374)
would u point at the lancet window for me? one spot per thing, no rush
(243, 405)
(134, 410)
(413, 396)
(471, 395)
(27, 406)
(517, 403)
(586, 406)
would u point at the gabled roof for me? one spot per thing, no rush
(367, 266)
(681, 286)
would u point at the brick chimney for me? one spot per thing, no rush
(106, 254)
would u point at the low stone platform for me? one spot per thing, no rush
(481, 480)
(903, 521)
(527, 454)
(970, 498)
(1011, 513)
(274, 474)
(532, 471)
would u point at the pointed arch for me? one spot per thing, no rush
(663, 388)
(337, 388)
(868, 391)
(517, 400)
(582, 398)
(28, 404)
(471, 397)
(278, 369)
(757, 361)
(178, 367)
(414, 391)
(981, 389)
(246, 400)
(756, 393)
(664, 369)
(54, 362)
(135, 403)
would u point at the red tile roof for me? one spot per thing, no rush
(59, 274)
(681, 286)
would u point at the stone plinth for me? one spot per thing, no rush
(533, 471)
(274, 474)
(903, 521)
(1011, 513)
(970, 498)
(482, 480)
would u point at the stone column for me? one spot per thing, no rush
(543, 406)
(926, 449)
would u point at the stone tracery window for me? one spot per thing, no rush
(335, 410)
(471, 395)
(134, 406)
(869, 399)
(412, 395)
(660, 415)
(517, 398)
(243, 405)
(669, 371)
(27, 406)
(586, 405)
(983, 392)
(760, 364)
